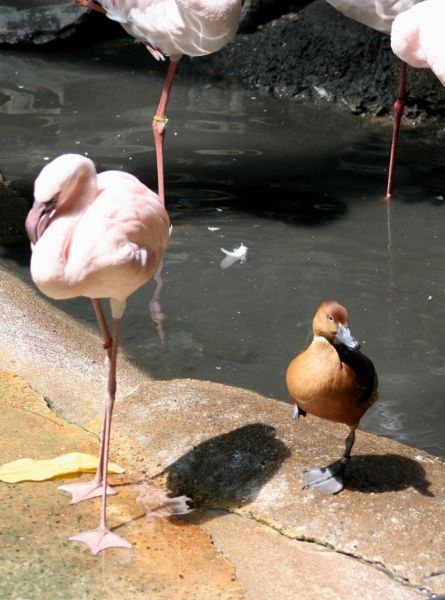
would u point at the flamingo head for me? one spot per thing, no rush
(39, 218)
(61, 182)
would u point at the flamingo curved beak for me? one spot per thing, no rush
(38, 219)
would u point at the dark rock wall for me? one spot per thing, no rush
(37, 22)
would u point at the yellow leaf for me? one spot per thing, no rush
(29, 469)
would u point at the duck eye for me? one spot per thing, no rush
(330, 318)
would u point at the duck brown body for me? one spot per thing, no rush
(332, 382)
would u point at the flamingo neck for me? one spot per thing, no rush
(50, 257)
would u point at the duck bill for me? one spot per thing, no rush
(37, 220)
(344, 337)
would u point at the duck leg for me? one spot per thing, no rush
(331, 479)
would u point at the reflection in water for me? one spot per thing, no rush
(392, 288)
(300, 186)
(157, 316)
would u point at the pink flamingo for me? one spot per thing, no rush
(100, 236)
(417, 37)
(380, 14)
(172, 28)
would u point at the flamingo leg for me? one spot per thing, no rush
(399, 107)
(98, 309)
(101, 538)
(158, 126)
(92, 489)
(331, 479)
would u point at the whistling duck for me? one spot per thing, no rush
(332, 380)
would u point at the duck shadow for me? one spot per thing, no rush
(385, 473)
(228, 470)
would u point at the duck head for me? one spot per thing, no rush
(331, 322)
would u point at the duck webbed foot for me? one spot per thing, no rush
(327, 479)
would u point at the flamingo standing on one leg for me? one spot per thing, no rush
(380, 14)
(100, 236)
(172, 28)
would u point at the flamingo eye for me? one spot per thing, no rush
(49, 205)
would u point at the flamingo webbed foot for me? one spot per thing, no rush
(327, 479)
(85, 491)
(100, 539)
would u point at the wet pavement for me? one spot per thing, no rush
(255, 532)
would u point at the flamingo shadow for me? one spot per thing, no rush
(230, 469)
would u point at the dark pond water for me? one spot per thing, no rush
(301, 186)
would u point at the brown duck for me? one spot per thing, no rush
(332, 380)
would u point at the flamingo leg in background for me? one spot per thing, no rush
(381, 16)
(399, 107)
(159, 120)
(158, 126)
(172, 29)
(417, 39)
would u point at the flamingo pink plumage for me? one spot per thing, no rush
(100, 236)
(172, 28)
(377, 14)
(380, 15)
(418, 39)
